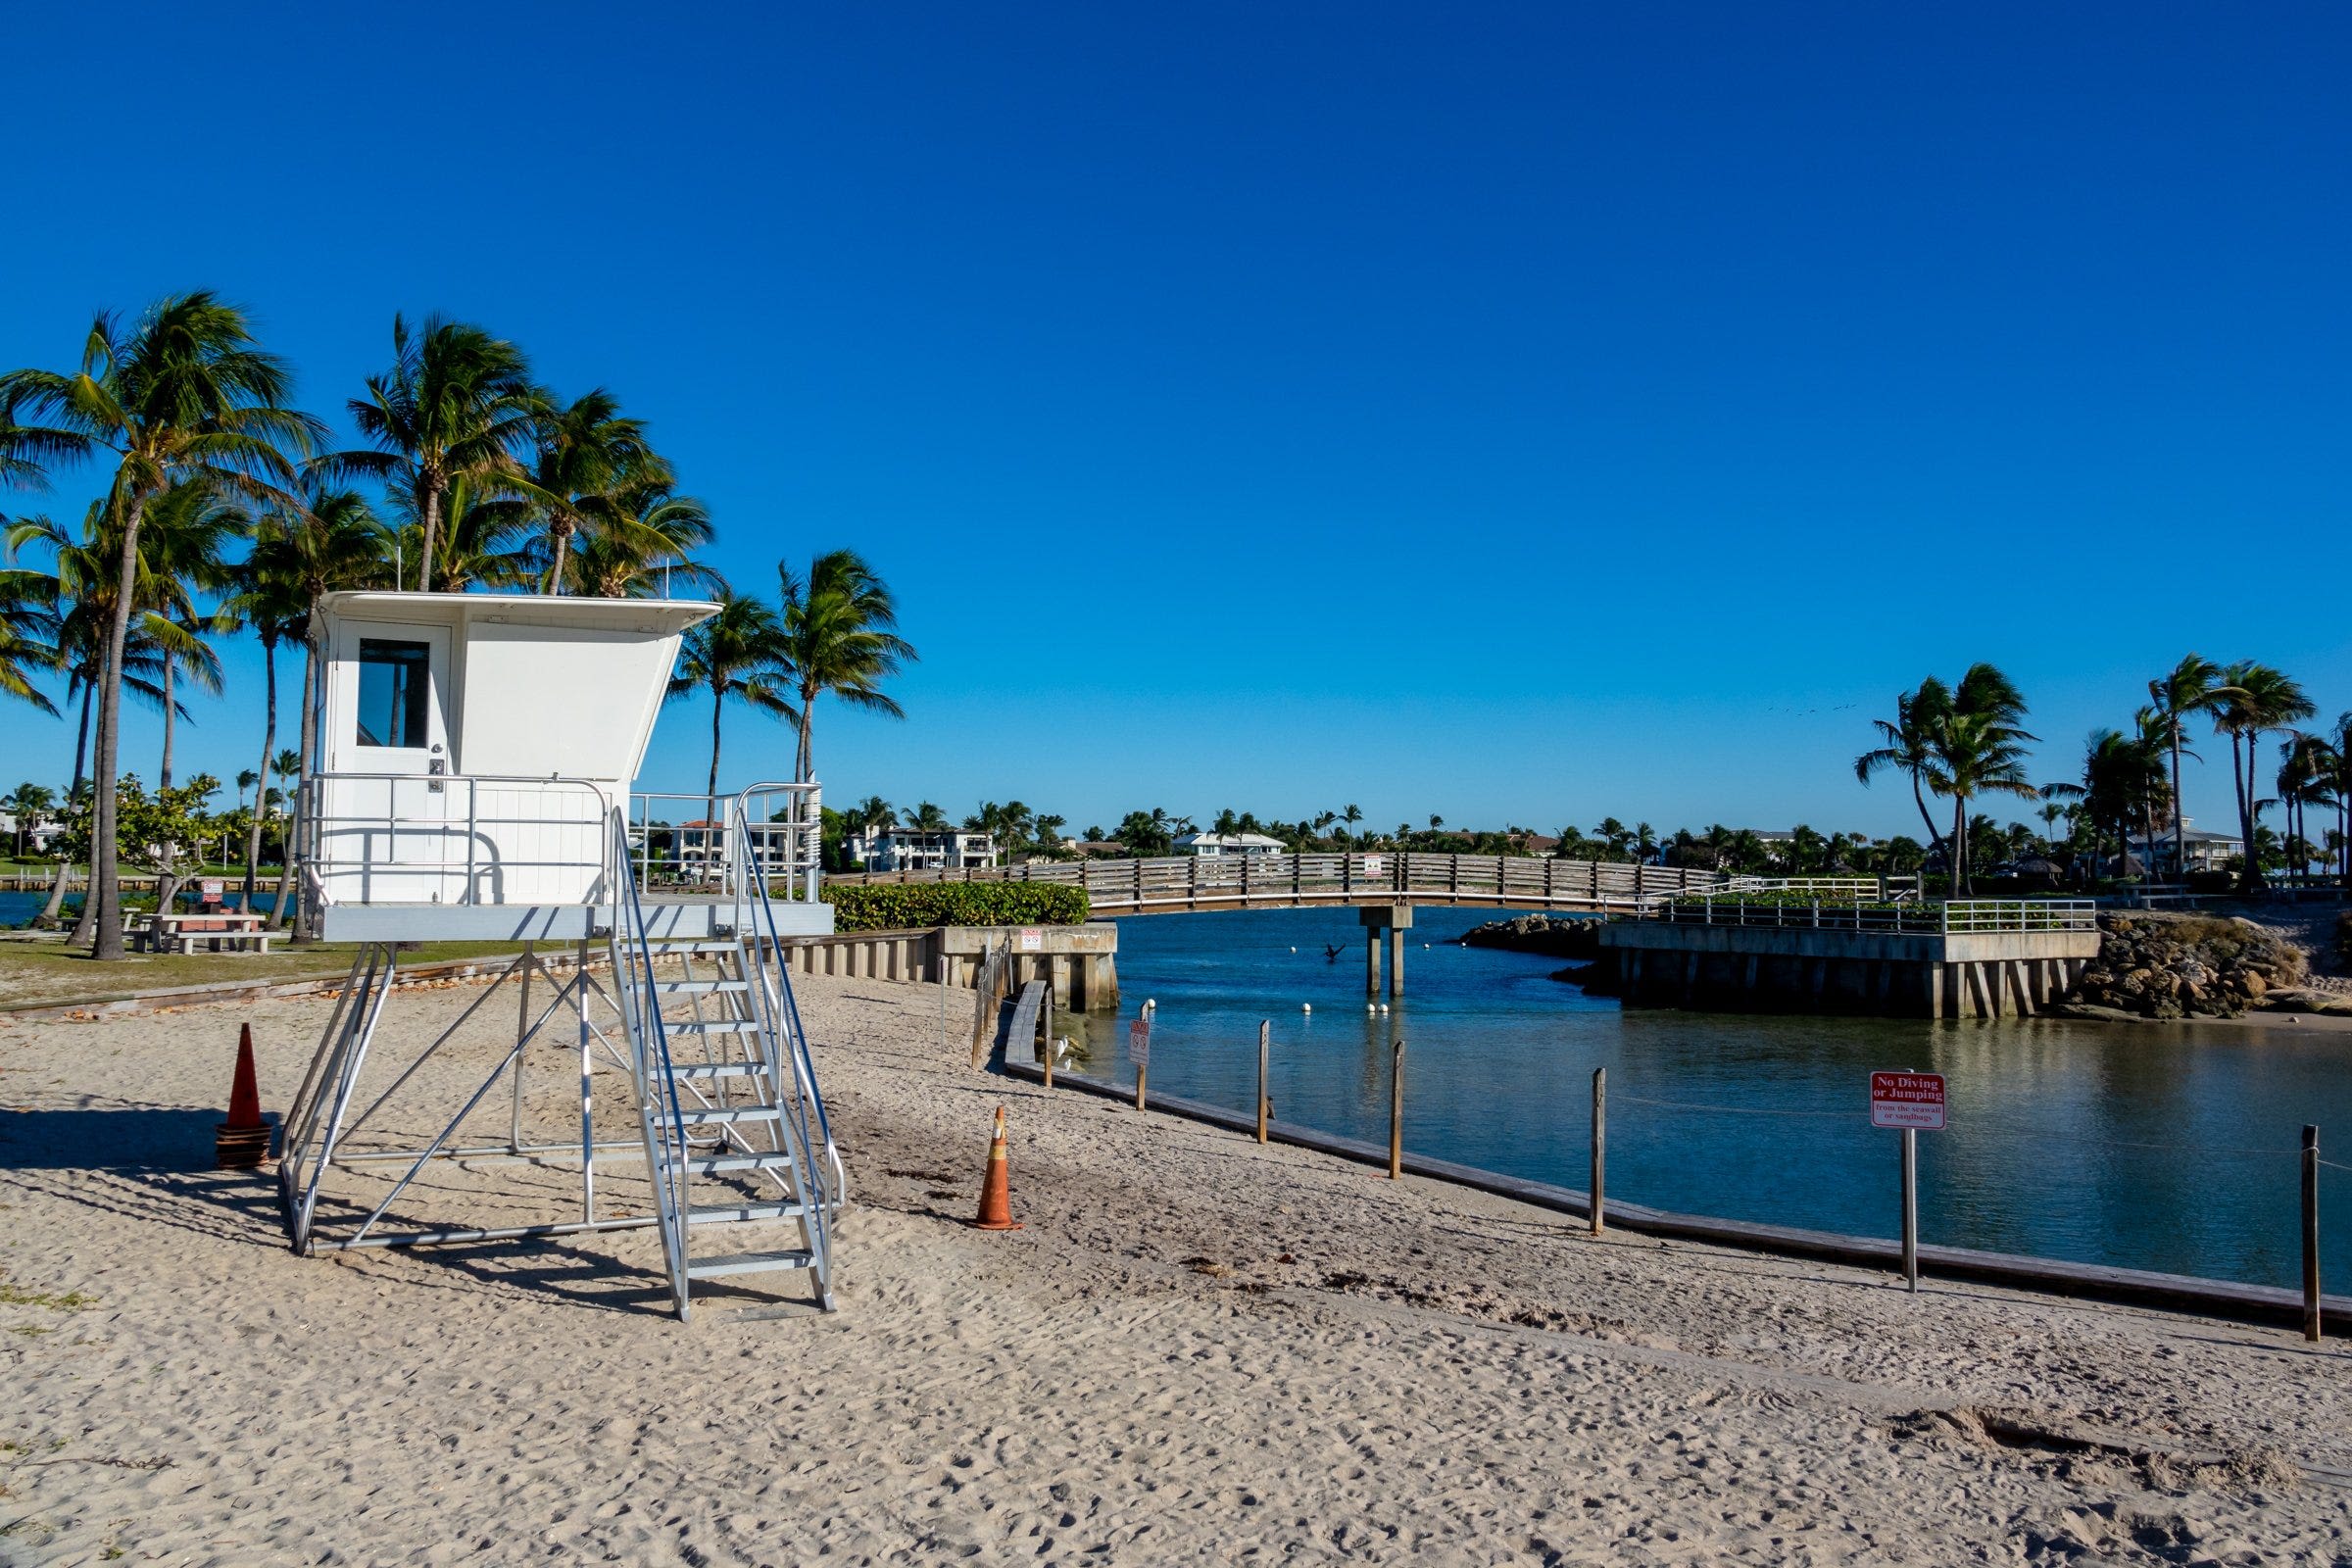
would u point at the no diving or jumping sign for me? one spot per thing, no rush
(1913, 1100)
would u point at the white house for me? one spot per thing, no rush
(2204, 851)
(907, 849)
(1228, 846)
(37, 831)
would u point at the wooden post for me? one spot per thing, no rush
(1265, 1034)
(1141, 1071)
(1396, 1110)
(1911, 1208)
(2311, 1235)
(1601, 1145)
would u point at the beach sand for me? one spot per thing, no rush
(1198, 1350)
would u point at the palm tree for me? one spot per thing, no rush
(928, 818)
(247, 779)
(187, 393)
(2307, 770)
(839, 639)
(456, 404)
(582, 452)
(642, 542)
(1910, 743)
(266, 599)
(485, 538)
(183, 554)
(1979, 750)
(28, 803)
(737, 654)
(2264, 698)
(29, 631)
(2193, 686)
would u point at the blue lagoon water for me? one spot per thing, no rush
(2165, 1147)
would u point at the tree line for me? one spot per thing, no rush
(223, 509)
(1966, 743)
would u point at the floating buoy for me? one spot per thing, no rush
(1306, 1006)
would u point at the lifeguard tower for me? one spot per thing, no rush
(474, 781)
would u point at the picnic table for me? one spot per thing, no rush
(207, 931)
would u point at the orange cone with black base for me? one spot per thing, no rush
(996, 1192)
(243, 1141)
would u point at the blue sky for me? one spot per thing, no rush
(1520, 414)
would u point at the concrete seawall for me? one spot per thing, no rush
(1080, 961)
(1883, 973)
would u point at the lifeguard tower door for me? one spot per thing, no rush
(399, 696)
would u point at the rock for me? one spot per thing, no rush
(1550, 934)
(2091, 1009)
(2166, 1009)
(2252, 983)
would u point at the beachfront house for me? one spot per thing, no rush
(2201, 849)
(907, 849)
(1228, 846)
(700, 846)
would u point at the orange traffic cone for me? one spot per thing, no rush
(243, 1141)
(996, 1192)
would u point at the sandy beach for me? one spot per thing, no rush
(1198, 1350)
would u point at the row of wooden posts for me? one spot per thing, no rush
(1597, 1212)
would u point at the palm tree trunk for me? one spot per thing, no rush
(1921, 801)
(261, 788)
(2179, 828)
(81, 736)
(163, 779)
(307, 727)
(1959, 846)
(432, 528)
(47, 918)
(103, 909)
(802, 760)
(719, 702)
(561, 532)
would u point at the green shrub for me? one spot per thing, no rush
(898, 906)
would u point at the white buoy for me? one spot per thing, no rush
(1306, 1006)
(1384, 1007)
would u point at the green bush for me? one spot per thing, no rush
(898, 906)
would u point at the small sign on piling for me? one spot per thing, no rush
(1911, 1102)
(1033, 939)
(1139, 1051)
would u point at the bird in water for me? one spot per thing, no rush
(1331, 955)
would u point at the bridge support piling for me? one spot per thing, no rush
(1391, 920)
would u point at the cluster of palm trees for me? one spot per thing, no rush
(1966, 742)
(225, 508)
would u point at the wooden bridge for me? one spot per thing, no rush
(1181, 884)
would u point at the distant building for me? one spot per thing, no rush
(703, 845)
(1227, 846)
(38, 833)
(2204, 851)
(907, 849)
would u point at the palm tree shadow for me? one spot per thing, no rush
(108, 1135)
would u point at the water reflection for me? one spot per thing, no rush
(2170, 1148)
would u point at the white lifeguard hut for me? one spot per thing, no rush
(474, 780)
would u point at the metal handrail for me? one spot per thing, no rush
(317, 865)
(763, 949)
(663, 1117)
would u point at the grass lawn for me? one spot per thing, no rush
(40, 970)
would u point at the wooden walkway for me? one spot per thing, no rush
(1183, 883)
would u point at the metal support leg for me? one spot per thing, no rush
(522, 1024)
(587, 1105)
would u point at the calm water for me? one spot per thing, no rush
(17, 907)
(2167, 1149)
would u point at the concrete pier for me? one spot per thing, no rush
(1978, 974)
(1389, 921)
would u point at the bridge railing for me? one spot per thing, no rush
(1964, 916)
(1179, 882)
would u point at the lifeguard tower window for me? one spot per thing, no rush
(395, 685)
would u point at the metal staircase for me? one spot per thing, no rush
(734, 1126)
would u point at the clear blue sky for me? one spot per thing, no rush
(1520, 413)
